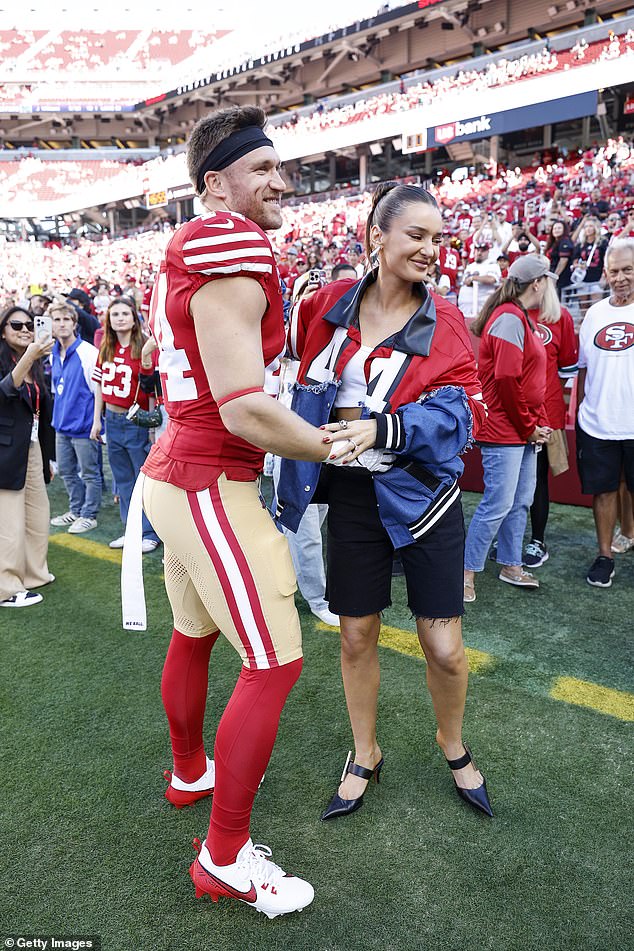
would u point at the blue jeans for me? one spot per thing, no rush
(128, 446)
(509, 487)
(78, 461)
(307, 551)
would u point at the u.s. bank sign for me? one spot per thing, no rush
(497, 123)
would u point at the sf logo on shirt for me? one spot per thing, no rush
(615, 337)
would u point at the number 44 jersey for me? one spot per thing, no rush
(196, 446)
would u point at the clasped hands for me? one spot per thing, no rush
(352, 444)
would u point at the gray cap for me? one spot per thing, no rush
(529, 267)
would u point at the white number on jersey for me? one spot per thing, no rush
(116, 379)
(173, 363)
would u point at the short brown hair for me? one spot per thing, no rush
(211, 130)
(62, 308)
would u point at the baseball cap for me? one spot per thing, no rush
(530, 267)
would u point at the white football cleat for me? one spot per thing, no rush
(180, 793)
(253, 879)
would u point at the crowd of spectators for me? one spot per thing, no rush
(503, 72)
(570, 208)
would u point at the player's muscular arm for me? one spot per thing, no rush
(227, 317)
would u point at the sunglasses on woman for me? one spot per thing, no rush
(19, 324)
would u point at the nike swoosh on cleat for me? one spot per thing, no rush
(249, 896)
(214, 224)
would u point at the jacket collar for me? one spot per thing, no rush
(57, 349)
(415, 337)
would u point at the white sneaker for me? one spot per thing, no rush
(117, 542)
(21, 600)
(148, 545)
(81, 525)
(325, 615)
(66, 519)
(253, 879)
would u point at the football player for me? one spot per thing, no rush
(217, 315)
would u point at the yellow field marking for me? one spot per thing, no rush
(580, 693)
(84, 546)
(406, 642)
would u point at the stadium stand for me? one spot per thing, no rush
(501, 73)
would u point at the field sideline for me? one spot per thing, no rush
(91, 847)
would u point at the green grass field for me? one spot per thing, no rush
(91, 847)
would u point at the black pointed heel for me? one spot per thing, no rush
(478, 797)
(345, 807)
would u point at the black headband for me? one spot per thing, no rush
(230, 150)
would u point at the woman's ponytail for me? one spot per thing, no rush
(379, 192)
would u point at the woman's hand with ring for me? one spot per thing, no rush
(361, 433)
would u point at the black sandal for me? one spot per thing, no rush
(478, 797)
(345, 807)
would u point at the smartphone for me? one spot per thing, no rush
(43, 328)
(315, 276)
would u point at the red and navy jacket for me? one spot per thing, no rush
(512, 366)
(423, 391)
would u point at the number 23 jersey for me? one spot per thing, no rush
(197, 446)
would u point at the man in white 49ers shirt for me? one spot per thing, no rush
(217, 315)
(605, 418)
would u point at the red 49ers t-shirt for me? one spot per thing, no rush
(197, 447)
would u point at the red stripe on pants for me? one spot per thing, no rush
(219, 568)
(245, 571)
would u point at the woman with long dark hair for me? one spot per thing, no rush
(560, 251)
(387, 365)
(122, 378)
(512, 367)
(26, 449)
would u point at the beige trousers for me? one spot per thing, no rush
(24, 521)
(227, 567)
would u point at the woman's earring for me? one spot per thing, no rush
(374, 256)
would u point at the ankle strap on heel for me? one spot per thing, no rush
(360, 771)
(462, 761)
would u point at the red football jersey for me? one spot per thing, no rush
(449, 261)
(119, 379)
(197, 447)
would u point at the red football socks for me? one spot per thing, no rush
(184, 693)
(244, 742)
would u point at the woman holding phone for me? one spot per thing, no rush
(27, 444)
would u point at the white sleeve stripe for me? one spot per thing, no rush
(229, 255)
(389, 434)
(223, 239)
(241, 266)
(475, 396)
(399, 429)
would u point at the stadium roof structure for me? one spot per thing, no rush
(555, 88)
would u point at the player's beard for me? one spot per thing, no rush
(266, 214)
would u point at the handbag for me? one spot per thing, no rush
(557, 449)
(144, 418)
